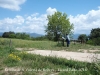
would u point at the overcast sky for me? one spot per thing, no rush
(31, 15)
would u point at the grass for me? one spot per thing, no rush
(31, 64)
(31, 61)
(47, 45)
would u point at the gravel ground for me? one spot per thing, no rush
(87, 57)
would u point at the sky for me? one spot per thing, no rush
(31, 15)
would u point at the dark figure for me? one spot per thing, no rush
(67, 40)
(63, 41)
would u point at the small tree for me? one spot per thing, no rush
(83, 38)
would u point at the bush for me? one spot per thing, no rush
(95, 36)
(90, 42)
(94, 41)
(93, 68)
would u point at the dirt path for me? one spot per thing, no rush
(88, 57)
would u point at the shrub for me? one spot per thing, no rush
(95, 36)
(90, 42)
(94, 41)
(14, 57)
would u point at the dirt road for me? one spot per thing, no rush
(88, 57)
(80, 56)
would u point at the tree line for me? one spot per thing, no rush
(93, 38)
(19, 35)
(12, 34)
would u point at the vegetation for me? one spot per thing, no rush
(23, 36)
(42, 38)
(13, 62)
(30, 64)
(58, 24)
(83, 38)
(45, 45)
(94, 37)
(11, 34)
(19, 61)
(95, 33)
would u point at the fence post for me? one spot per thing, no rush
(10, 43)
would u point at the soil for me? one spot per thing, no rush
(78, 56)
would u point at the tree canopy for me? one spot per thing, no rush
(58, 23)
(95, 33)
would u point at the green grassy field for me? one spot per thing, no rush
(13, 62)
(46, 45)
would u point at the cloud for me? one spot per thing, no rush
(36, 14)
(83, 23)
(11, 4)
(99, 7)
(34, 23)
(51, 11)
(9, 24)
(9, 21)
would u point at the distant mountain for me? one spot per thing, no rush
(35, 35)
(75, 36)
(1, 33)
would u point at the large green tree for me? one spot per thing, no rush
(58, 23)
